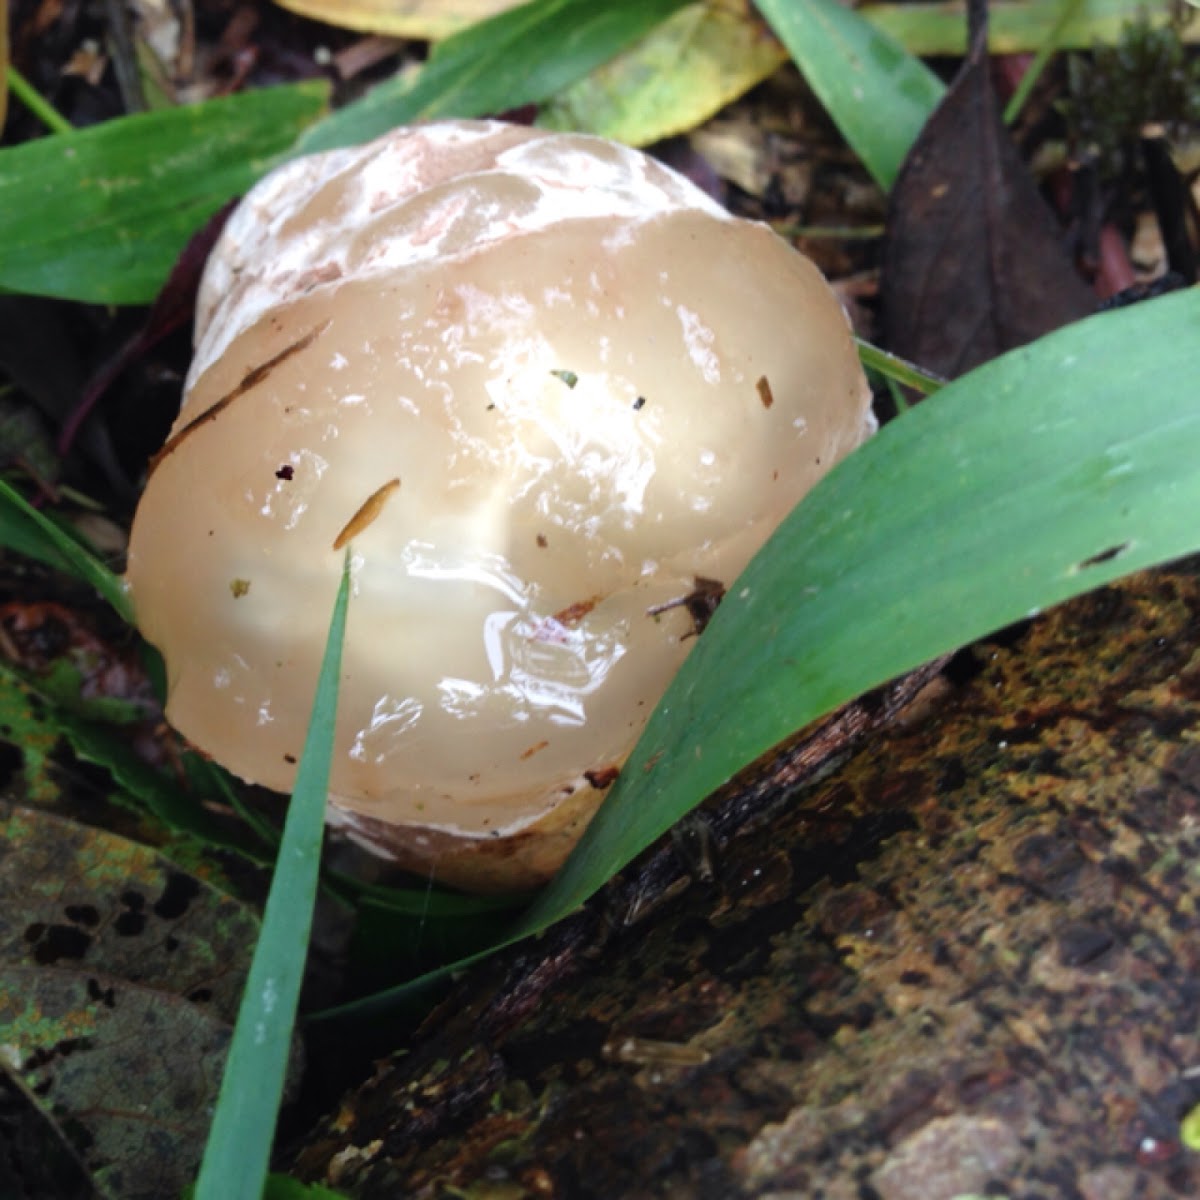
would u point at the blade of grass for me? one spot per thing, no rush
(521, 56)
(28, 96)
(32, 533)
(239, 1144)
(1046, 473)
(875, 92)
(896, 369)
(1051, 46)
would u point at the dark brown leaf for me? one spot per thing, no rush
(974, 263)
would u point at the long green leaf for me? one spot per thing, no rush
(100, 215)
(521, 56)
(239, 1145)
(1050, 471)
(877, 94)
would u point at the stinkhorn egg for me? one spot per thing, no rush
(548, 393)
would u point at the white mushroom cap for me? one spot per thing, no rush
(540, 384)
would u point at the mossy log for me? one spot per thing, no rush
(964, 962)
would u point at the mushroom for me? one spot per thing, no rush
(552, 397)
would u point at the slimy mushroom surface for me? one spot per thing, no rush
(540, 385)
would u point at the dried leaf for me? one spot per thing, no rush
(517, 58)
(76, 897)
(974, 263)
(933, 27)
(120, 976)
(693, 64)
(59, 649)
(135, 1069)
(428, 20)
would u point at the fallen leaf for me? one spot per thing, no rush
(58, 649)
(120, 979)
(80, 898)
(132, 1072)
(517, 58)
(693, 64)
(974, 262)
(426, 20)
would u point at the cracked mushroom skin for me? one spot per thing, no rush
(540, 385)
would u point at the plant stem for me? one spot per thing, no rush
(891, 367)
(42, 109)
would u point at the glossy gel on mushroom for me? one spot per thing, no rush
(522, 375)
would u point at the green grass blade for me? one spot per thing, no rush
(896, 369)
(101, 214)
(239, 1145)
(45, 112)
(521, 56)
(1069, 9)
(29, 532)
(1046, 473)
(875, 92)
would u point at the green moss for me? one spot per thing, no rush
(1148, 76)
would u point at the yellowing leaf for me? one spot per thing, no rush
(693, 64)
(931, 27)
(427, 20)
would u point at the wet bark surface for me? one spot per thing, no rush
(964, 963)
